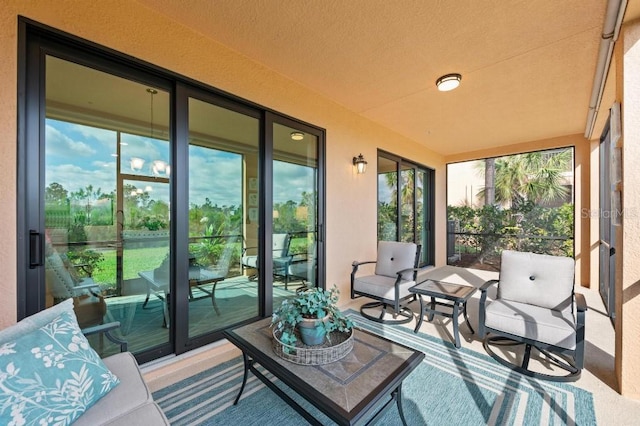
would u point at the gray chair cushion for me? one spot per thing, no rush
(280, 245)
(382, 286)
(395, 256)
(131, 393)
(532, 322)
(145, 415)
(537, 279)
(250, 261)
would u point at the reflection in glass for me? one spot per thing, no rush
(407, 200)
(106, 215)
(222, 159)
(295, 210)
(387, 200)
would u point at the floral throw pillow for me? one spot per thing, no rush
(51, 376)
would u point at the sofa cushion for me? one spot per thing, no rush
(129, 395)
(145, 415)
(51, 375)
(35, 321)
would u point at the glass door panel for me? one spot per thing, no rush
(407, 203)
(421, 218)
(295, 211)
(387, 199)
(223, 206)
(106, 219)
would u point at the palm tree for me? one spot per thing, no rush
(407, 179)
(534, 176)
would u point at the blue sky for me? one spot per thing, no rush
(78, 156)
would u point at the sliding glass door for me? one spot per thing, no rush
(223, 205)
(405, 204)
(163, 205)
(295, 207)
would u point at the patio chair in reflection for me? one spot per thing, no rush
(200, 278)
(281, 258)
(211, 275)
(304, 267)
(89, 305)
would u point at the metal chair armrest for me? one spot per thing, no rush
(481, 311)
(356, 263)
(107, 329)
(355, 266)
(484, 287)
(581, 302)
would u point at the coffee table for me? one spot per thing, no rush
(355, 389)
(455, 296)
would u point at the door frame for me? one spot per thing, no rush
(35, 42)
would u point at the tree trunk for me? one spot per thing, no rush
(489, 181)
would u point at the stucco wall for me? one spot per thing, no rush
(133, 29)
(628, 235)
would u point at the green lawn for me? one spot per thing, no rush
(134, 261)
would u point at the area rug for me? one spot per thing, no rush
(450, 387)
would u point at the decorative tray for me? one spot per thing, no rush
(336, 347)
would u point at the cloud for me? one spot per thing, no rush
(215, 175)
(108, 138)
(290, 181)
(73, 177)
(59, 144)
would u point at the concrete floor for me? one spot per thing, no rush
(597, 377)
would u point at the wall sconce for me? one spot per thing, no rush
(360, 164)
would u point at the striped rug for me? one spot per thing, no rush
(451, 387)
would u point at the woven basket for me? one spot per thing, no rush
(341, 344)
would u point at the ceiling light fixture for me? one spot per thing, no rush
(448, 82)
(297, 136)
(136, 164)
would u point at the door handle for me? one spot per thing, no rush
(36, 249)
(612, 251)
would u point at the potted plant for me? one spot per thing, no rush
(314, 313)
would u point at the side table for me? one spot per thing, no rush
(454, 296)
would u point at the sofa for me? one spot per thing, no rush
(49, 373)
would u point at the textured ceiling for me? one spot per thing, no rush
(527, 66)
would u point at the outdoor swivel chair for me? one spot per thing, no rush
(281, 258)
(536, 306)
(395, 272)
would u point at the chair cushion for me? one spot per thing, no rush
(250, 261)
(532, 322)
(280, 245)
(147, 414)
(132, 392)
(381, 286)
(51, 374)
(395, 256)
(537, 279)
